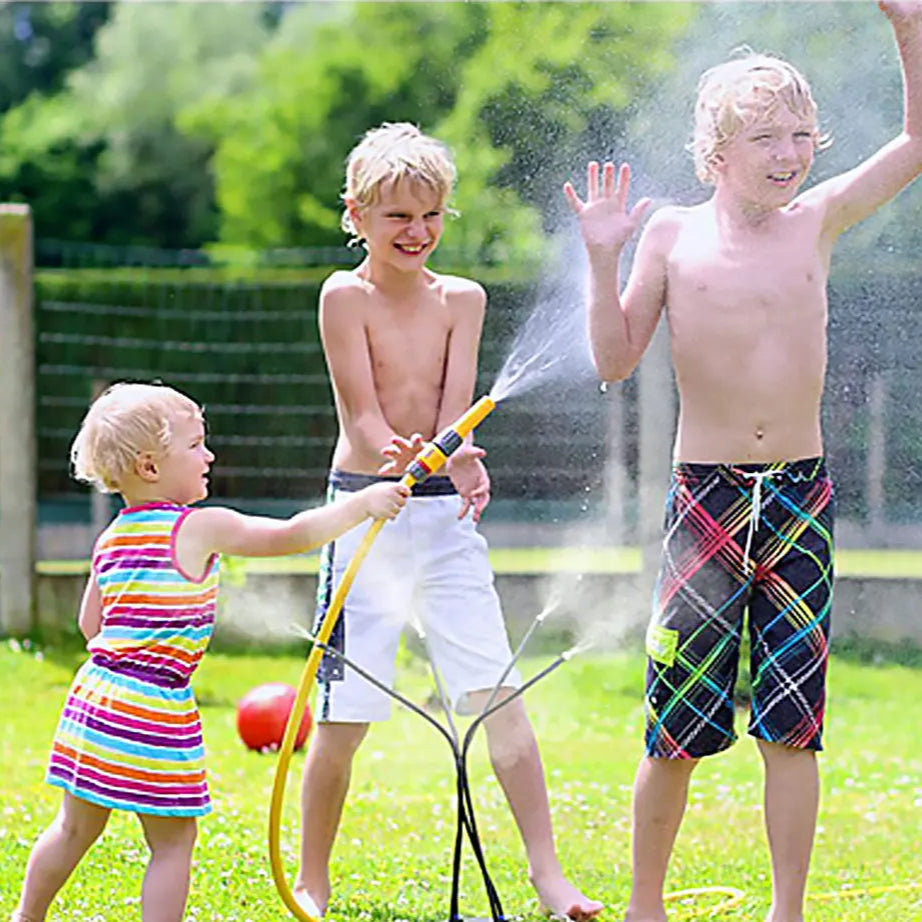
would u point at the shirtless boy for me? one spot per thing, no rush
(742, 278)
(401, 345)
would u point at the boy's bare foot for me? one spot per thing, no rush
(563, 901)
(306, 902)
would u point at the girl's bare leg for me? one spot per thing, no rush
(166, 881)
(57, 852)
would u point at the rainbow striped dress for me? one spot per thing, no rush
(130, 736)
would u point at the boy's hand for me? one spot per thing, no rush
(604, 221)
(385, 500)
(400, 453)
(470, 479)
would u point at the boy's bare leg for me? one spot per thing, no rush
(660, 795)
(792, 795)
(57, 852)
(327, 772)
(166, 881)
(517, 764)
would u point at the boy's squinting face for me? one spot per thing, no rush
(403, 226)
(184, 468)
(766, 163)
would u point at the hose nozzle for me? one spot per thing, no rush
(448, 441)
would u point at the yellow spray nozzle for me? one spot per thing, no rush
(474, 416)
(437, 452)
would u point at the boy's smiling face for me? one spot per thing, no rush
(766, 163)
(403, 225)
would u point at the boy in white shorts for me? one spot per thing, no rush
(430, 563)
(401, 346)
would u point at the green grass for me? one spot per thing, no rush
(392, 859)
(871, 563)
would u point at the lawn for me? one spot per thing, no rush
(393, 855)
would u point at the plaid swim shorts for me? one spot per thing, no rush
(754, 537)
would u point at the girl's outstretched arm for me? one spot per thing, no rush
(219, 530)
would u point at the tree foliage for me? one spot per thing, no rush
(516, 89)
(111, 136)
(40, 43)
(199, 122)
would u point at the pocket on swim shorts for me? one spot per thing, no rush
(661, 644)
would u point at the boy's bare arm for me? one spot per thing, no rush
(853, 196)
(465, 468)
(620, 326)
(468, 306)
(345, 346)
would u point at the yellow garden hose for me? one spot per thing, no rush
(429, 460)
(733, 898)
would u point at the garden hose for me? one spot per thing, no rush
(735, 897)
(433, 455)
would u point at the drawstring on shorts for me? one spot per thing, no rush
(758, 478)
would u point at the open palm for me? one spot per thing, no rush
(604, 221)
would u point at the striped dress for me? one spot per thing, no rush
(130, 736)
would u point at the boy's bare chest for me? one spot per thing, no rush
(739, 290)
(402, 337)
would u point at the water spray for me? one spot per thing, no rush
(430, 459)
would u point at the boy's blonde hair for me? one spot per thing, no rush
(124, 422)
(737, 93)
(392, 153)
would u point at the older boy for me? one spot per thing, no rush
(742, 278)
(401, 345)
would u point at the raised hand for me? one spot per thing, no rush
(604, 221)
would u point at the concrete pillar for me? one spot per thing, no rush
(18, 465)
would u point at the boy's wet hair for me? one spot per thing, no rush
(392, 153)
(740, 91)
(124, 422)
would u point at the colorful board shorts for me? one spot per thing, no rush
(426, 567)
(754, 537)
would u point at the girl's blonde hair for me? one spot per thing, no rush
(124, 422)
(741, 91)
(391, 153)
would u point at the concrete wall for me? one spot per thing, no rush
(267, 608)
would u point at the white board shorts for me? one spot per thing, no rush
(425, 567)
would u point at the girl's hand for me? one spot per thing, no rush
(385, 500)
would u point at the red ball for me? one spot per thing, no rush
(262, 715)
